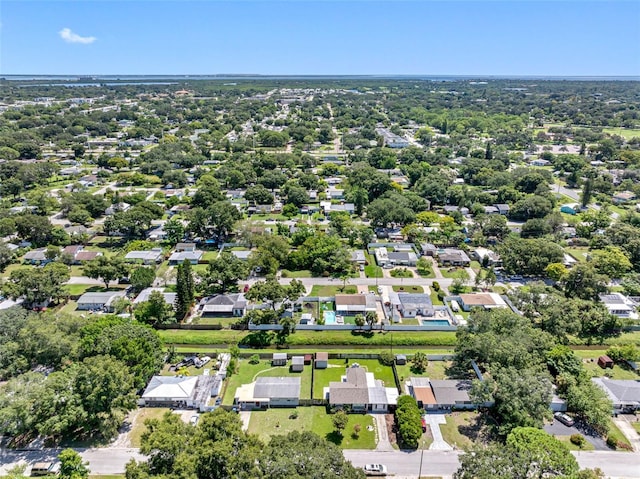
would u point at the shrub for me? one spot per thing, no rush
(255, 359)
(409, 421)
(386, 358)
(436, 286)
(577, 439)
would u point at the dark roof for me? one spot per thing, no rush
(451, 391)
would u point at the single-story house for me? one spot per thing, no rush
(481, 300)
(36, 256)
(153, 256)
(116, 208)
(157, 234)
(169, 298)
(99, 301)
(279, 359)
(322, 360)
(453, 257)
(269, 392)
(361, 392)
(297, 364)
(492, 258)
(403, 258)
(625, 394)
(503, 208)
(224, 305)
(619, 305)
(441, 394)
(382, 256)
(539, 162)
(185, 247)
(180, 257)
(415, 304)
(491, 210)
(429, 249)
(193, 392)
(623, 197)
(351, 304)
(358, 256)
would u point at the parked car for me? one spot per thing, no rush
(564, 419)
(194, 420)
(375, 470)
(424, 424)
(199, 362)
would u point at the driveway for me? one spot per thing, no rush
(623, 421)
(558, 429)
(434, 421)
(381, 432)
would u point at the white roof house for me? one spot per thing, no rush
(144, 295)
(619, 305)
(179, 391)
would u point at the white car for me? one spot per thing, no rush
(375, 470)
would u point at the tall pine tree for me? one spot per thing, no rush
(185, 290)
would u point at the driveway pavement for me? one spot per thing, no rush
(558, 429)
(381, 431)
(623, 421)
(434, 421)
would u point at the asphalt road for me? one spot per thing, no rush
(402, 464)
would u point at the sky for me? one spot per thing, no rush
(299, 37)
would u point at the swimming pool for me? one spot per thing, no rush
(329, 317)
(435, 322)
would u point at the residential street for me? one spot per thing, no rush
(616, 465)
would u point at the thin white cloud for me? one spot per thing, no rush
(70, 37)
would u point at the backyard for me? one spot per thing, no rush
(617, 372)
(315, 419)
(337, 369)
(435, 370)
(247, 373)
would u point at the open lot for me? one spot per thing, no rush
(327, 290)
(139, 417)
(315, 419)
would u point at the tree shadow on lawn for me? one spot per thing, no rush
(334, 437)
(482, 429)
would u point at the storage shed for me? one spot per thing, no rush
(297, 364)
(605, 362)
(279, 359)
(322, 360)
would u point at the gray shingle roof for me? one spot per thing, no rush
(277, 387)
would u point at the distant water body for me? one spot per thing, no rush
(114, 80)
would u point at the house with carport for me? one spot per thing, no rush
(267, 392)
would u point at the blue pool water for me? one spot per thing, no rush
(434, 322)
(329, 317)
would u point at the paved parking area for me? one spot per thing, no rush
(558, 429)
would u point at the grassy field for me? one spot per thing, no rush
(380, 371)
(626, 133)
(138, 424)
(282, 421)
(587, 446)
(330, 290)
(435, 300)
(248, 373)
(617, 372)
(372, 270)
(435, 370)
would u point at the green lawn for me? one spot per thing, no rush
(380, 371)
(209, 255)
(79, 289)
(314, 338)
(282, 421)
(372, 270)
(476, 266)
(587, 446)
(225, 322)
(138, 426)
(247, 373)
(617, 372)
(401, 273)
(636, 426)
(578, 253)
(626, 133)
(435, 370)
(616, 433)
(434, 298)
(408, 289)
(303, 273)
(450, 272)
(322, 377)
(327, 290)
(452, 431)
